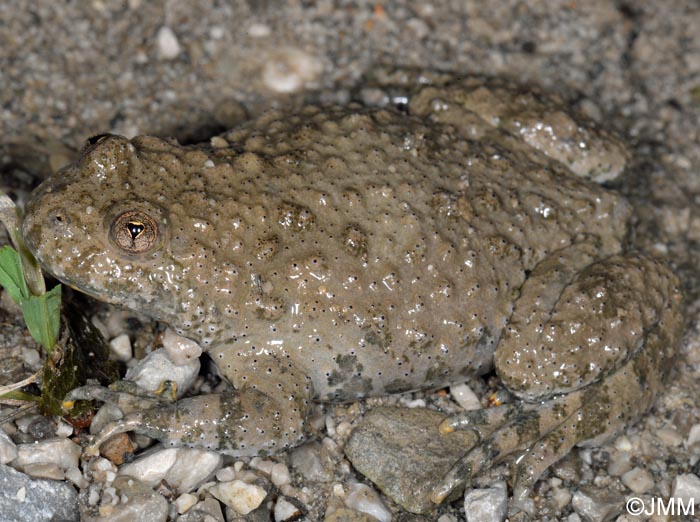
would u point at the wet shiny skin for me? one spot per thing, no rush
(344, 252)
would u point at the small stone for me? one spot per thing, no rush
(344, 514)
(693, 437)
(620, 463)
(258, 30)
(669, 437)
(289, 70)
(279, 475)
(209, 510)
(153, 370)
(638, 480)
(623, 443)
(488, 504)
(120, 347)
(238, 495)
(364, 499)
(285, 510)
(377, 449)
(47, 470)
(307, 459)
(8, 449)
(76, 477)
(561, 496)
(595, 505)
(168, 46)
(465, 397)
(137, 502)
(184, 502)
(447, 518)
(152, 467)
(63, 429)
(62, 452)
(24, 498)
(687, 487)
(117, 449)
(192, 468)
(180, 350)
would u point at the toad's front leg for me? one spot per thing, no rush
(588, 347)
(265, 414)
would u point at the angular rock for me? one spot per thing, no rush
(35, 500)
(142, 504)
(488, 504)
(402, 451)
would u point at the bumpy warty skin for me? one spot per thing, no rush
(345, 252)
(380, 254)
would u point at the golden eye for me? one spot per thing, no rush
(134, 231)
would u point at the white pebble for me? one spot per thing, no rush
(465, 397)
(415, 403)
(192, 467)
(693, 436)
(62, 452)
(623, 443)
(289, 70)
(180, 349)
(184, 502)
(21, 494)
(63, 429)
(152, 467)
(344, 428)
(156, 367)
(447, 518)
(620, 463)
(285, 510)
(238, 495)
(561, 496)
(226, 474)
(279, 475)
(638, 480)
(364, 499)
(31, 357)
(44, 470)
(488, 504)
(120, 347)
(669, 436)
(687, 487)
(76, 477)
(259, 30)
(168, 46)
(261, 465)
(8, 449)
(93, 496)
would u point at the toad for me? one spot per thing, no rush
(336, 253)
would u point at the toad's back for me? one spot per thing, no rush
(378, 252)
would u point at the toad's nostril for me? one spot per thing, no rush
(58, 219)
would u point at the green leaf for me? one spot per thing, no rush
(11, 276)
(19, 395)
(42, 313)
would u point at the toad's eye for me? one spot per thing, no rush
(134, 231)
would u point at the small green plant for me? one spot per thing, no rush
(21, 277)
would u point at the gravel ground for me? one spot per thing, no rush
(190, 69)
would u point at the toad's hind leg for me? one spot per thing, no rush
(591, 345)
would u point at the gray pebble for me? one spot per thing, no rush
(488, 504)
(35, 500)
